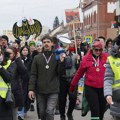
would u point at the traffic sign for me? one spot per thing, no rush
(88, 39)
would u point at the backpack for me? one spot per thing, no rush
(68, 62)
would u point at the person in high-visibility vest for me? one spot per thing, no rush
(18, 70)
(112, 80)
(5, 79)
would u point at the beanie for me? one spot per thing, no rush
(38, 43)
(97, 44)
(32, 43)
(5, 37)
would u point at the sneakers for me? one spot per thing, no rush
(20, 118)
(32, 108)
(70, 117)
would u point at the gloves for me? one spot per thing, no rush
(72, 88)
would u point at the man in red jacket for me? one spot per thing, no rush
(93, 66)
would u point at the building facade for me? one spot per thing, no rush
(98, 15)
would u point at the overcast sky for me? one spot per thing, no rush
(45, 11)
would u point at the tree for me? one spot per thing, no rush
(56, 23)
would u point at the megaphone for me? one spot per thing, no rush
(64, 40)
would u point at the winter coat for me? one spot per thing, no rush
(5, 111)
(44, 80)
(25, 81)
(93, 77)
(18, 70)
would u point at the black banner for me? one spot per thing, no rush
(26, 29)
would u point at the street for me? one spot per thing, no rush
(76, 114)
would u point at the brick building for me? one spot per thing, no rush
(98, 15)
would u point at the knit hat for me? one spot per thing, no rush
(39, 43)
(97, 44)
(32, 43)
(5, 37)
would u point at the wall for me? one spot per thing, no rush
(98, 16)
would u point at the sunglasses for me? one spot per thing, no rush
(96, 50)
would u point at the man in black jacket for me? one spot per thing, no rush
(44, 80)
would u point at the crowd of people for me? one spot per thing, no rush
(49, 72)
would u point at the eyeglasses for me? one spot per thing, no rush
(96, 50)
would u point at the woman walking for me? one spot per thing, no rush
(25, 56)
(6, 112)
(93, 66)
(18, 70)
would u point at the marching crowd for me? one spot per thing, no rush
(49, 72)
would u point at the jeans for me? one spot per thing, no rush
(47, 104)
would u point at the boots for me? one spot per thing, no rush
(70, 117)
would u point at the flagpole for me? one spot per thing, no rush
(75, 37)
(73, 23)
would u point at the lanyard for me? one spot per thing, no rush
(96, 61)
(47, 61)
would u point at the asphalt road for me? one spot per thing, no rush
(76, 114)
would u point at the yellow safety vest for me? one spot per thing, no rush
(115, 65)
(3, 85)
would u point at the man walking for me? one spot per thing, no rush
(44, 83)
